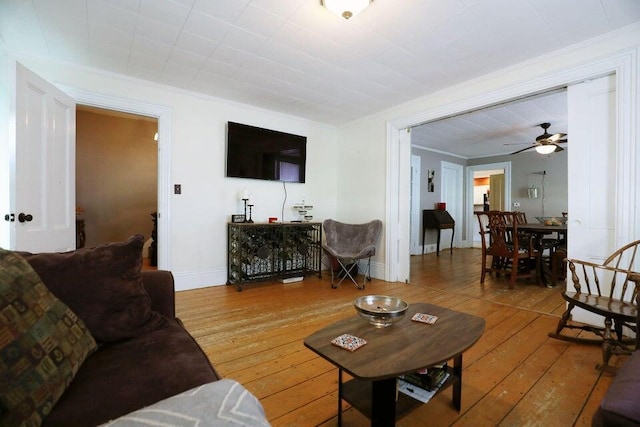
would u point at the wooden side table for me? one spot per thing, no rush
(403, 348)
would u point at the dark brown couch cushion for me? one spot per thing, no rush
(42, 344)
(128, 375)
(103, 286)
(620, 406)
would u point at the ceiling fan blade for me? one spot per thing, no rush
(524, 149)
(558, 149)
(556, 137)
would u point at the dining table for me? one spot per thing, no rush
(543, 228)
(539, 230)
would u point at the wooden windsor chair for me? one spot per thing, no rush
(609, 290)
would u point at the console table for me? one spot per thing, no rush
(436, 219)
(272, 251)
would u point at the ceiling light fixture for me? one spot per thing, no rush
(346, 8)
(546, 149)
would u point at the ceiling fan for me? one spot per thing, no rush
(547, 143)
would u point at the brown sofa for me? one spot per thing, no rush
(87, 337)
(126, 375)
(621, 404)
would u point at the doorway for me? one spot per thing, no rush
(116, 176)
(163, 117)
(484, 190)
(396, 238)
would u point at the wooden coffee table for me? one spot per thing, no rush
(403, 348)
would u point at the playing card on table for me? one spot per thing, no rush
(349, 342)
(424, 318)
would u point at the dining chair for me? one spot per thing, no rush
(501, 240)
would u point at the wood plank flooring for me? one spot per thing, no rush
(513, 376)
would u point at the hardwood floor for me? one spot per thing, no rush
(513, 376)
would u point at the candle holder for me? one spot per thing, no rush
(250, 220)
(245, 209)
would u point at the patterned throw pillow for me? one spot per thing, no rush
(42, 344)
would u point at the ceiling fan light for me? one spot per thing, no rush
(346, 8)
(546, 149)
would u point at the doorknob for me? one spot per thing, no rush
(24, 217)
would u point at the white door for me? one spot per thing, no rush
(592, 160)
(452, 194)
(416, 230)
(592, 181)
(43, 181)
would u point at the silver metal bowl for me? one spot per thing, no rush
(381, 310)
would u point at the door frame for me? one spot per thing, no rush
(471, 221)
(163, 115)
(622, 64)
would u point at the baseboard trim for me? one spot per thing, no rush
(185, 281)
(188, 280)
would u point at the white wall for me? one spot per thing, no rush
(431, 160)
(347, 172)
(524, 167)
(199, 215)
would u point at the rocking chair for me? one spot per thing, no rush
(609, 290)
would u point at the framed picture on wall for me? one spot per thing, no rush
(431, 177)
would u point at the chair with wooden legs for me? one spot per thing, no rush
(609, 290)
(501, 241)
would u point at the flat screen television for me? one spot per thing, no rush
(258, 153)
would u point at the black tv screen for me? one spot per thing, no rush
(258, 153)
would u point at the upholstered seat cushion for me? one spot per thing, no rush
(103, 286)
(125, 376)
(620, 407)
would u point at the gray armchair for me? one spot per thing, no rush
(348, 243)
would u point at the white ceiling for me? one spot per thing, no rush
(501, 129)
(294, 56)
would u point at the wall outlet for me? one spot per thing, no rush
(516, 204)
(177, 189)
